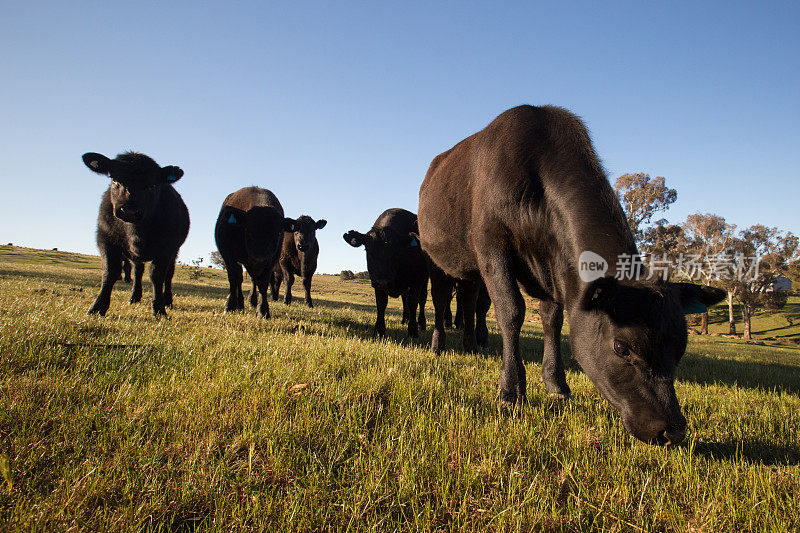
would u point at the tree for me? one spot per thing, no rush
(761, 254)
(707, 236)
(216, 259)
(642, 197)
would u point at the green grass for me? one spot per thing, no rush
(304, 422)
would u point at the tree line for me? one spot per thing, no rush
(705, 247)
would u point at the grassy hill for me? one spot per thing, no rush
(214, 421)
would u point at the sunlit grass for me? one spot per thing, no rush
(305, 422)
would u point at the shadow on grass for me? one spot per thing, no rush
(757, 451)
(744, 374)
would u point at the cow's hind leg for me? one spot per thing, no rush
(458, 320)
(126, 271)
(441, 294)
(275, 280)
(509, 308)
(253, 297)
(467, 292)
(423, 297)
(481, 308)
(168, 284)
(262, 282)
(553, 376)
(112, 268)
(235, 278)
(136, 291)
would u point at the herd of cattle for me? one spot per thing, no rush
(512, 206)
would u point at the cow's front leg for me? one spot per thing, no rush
(138, 274)
(168, 284)
(509, 307)
(112, 269)
(307, 287)
(158, 273)
(381, 301)
(410, 297)
(553, 375)
(288, 277)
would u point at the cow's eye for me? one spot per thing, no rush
(621, 348)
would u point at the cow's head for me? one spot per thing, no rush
(304, 230)
(136, 182)
(629, 337)
(387, 253)
(262, 228)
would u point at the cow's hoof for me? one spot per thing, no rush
(558, 390)
(559, 396)
(511, 400)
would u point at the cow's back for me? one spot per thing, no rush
(250, 197)
(530, 169)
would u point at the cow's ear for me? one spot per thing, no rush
(354, 238)
(413, 239)
(598, 295)
(321, 223)
(97, 163)
(233, 216)
(289, 224)
(697, 298)
(171, 174)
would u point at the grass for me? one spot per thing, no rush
(304, 422)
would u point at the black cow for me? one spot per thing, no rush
(517, 204)
(298, 258)
(142, 218)
(249, 232)
(396, 266)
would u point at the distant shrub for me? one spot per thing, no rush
(362, 275)
(346, 275)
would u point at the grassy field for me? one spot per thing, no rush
(304, 422)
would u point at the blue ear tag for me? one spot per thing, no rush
(171, 179)
(232, 220)
(413, 242)
(694, 307)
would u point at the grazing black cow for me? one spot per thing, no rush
(142, 218)
(519, 203)
(298, 258)
(249, 232)
(396, 266)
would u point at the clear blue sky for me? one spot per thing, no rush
(339, 107)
